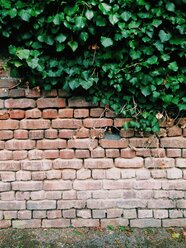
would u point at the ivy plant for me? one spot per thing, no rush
(129, 55)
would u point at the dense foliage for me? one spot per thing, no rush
(128, 54)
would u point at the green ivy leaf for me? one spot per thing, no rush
(152, 60)
(170, 7)
(146, 91)
(106, 42)
(25, 14)
(80, 22)
(89, 14)
(61, 38)
(173, 66)
(73, 45)
(164, 36)
(126, 15)
(113, 19)
(105, 8)
(165, 57)
(23, 53)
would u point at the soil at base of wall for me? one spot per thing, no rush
(110, 237)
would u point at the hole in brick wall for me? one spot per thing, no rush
(112, 133)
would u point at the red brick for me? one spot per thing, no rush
(2, 144)
(85, 223)
(181, 162)
(19, 155)
(173, 153)
(82, 143)
(129, 163)
(110, 113)
(57, 223)
(51, 134)
(97, 133)
(17, 114)
(4, 114)
(128, 153)
(67, 164)
(54, 214)
(173, 142)
(112, 153)
(66, 134)
(106, 143)
(51, 144)
(142, 152)
(33, 93)
(19, 144)
(81, 113)
(23, 175)
(54, 174)
(184, 153)
(16, 93)
(184, 132)
(97, 112)
(57, 185)
(53, 195)
(69, 204)
(66, 153)
(7, 196)
(161, 203)
(9, 124)
(119, 122)
(83, 174)
(36, 165)
(7, 176)
(20, 195)
(51, 154)
(98, 153)
(66, 123)
(174, 131)
(39, 214)
(99, 163)
(51, 93)
(66, 113)
(19, 103)
(99, 174)
(24, 215)
(51, 103)
(79, 102)
(33, 114)
(6, 135)
(5, 155)
(82, 133)
(82, 153)
(27, 186)
(4, 186)
(144, 142)
(12, 205)
(126, 133)
(35, 124)
(101, 203)
(22, 224)
(36, 134)
(1, 104)
(21, 134)
(5, 223)
(41, 205)
(159, 152)
(99, 122)
(159, 162)
(35, 154)
(49, 114)
(68, 174)
(38, 175)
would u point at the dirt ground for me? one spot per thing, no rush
(110, 237)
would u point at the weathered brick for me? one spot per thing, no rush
(79, 102)
(106, 143)
(144, 194)
(158, 152)
(100, 194)
(33, 113)
(82, 143)
(175, 213)
(112, 153)
(87, 184)
(51, 154)
(99, 163)
(173, 142)
(119, 122)
(114, 222)
(83, 174)
(113, 173)
(114, 213)
(128, 173)
(118, 184)
(57, 223)
(143, 152)
(129, 163)
(66, 113)
(96, 123)
(36, 165)
(23, 175)
(142, 174)
(160, 214)
(141, 223)
(66, 123)
(148, 184)
(5, 223)
(7, 176)
(36, 134)
(12, 205)
(114, 194)
(33, 93)
(54, 174)
(128, 153)
(6, 135)
(144, 142)
(97, 112)
(144, 213)
(57, 185)
(181, 203)
(19, 103)
(4, 186)
(173, 153)
(158, 173)
(17, 114)
(41, 205)
(21, 196)
(184, 153)
(22, 224)
(7, 196)
(68, 174)
(51, 133)
(83, 195)
(66, 134)
(21, 134)
(51, 103)
(19, 144)
(174, 131)
(39, 214)
(98, 153)
(159, 163)
(50, 114)
(9, 215)
(98, 214)
(130, 214)
(161, 203)
(69, 195)
(82, 153)
(85, 223)
(67, 164)
(69, 204)
(38, 175)
(10, 165)
(51, 144)
(131, 203)
(27, 186)
(181, 162)
(35, 124)
(174, 173)
(35, 154)
(84, 213)
(16, 93)
(81, 113)
(53, 195)
(50, 93)
(5, 155)
(69, 213)
(24, 215)
(4, 114)
(9, 124)
(174, 222)
(82, 133)
(126, 133)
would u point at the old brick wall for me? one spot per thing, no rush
(61, 166)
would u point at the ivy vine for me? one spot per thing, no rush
(127, 54)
